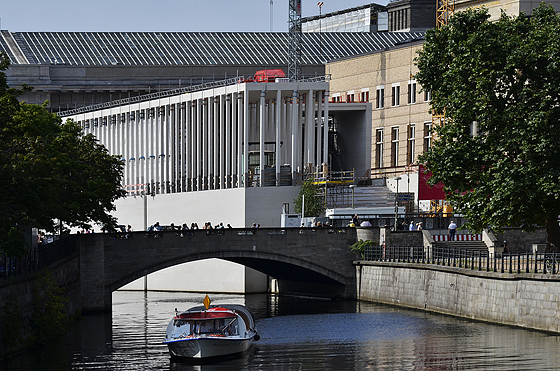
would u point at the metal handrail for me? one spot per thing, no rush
(171, 92)
(518, 262)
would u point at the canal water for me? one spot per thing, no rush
(296, 334)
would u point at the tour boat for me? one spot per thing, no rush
(204, 331)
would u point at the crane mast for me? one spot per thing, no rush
(444, 10)
(294, 48)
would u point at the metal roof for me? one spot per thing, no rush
(189, 48)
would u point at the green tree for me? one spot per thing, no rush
(50, 172)
(499, 153)
(314, 203)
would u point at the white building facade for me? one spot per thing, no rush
(180, 148)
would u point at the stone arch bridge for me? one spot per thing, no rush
(305, 261)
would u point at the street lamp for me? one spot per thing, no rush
(397, 201)
(352, 186)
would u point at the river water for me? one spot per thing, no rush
(296, 334)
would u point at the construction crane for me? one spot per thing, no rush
(444, 10)
(294, 48)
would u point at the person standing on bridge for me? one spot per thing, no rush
(452, 229)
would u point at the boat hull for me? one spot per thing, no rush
(205, 347)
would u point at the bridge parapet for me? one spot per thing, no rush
(303, 260)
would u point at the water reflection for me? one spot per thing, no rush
(296, 333)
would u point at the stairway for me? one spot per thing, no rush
(465, 245)
(370, 196)
(373, 197)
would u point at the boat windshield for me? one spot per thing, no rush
(214, 326)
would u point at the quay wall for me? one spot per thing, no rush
(525, 300)
(66, 274)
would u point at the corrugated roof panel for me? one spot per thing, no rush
(202, 48)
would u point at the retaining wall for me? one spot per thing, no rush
(524, 300)
(67, 275)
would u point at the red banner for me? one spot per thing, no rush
(426, 191)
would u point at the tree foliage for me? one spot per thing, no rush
(50, 172)
(314, 203)
(501, 78)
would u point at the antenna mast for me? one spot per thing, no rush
(271, 16)
(294, 49)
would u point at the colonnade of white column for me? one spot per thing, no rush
(217, 138)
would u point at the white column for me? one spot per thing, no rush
(278, 108)
(217, 150)
(326, 130)
(286, 132)
(205, 151)
(262, 125)
(300, 153)
(240, 113)
(234, 139)
(143, 154)
(246, 123)
(188, 151)
(228, 136)
(165, 149)
(199, 154)
(294, 130)
(222, 132)
(158, 124)
(319, 142)
(193, 142)
(175, 140)
(183, 175)
(309, 127)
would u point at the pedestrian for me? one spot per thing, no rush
(419, 226)
(412, 227)
(128, 231)
(506, 247)
(452, 229)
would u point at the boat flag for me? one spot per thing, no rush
(207, 302)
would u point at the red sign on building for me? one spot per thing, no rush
(426, 191)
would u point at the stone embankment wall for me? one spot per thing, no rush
(524, 300)
(66, 273)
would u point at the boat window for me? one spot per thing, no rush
(181, 328)
(221, 326)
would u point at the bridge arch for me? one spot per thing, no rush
(304, 261)
(276, 265)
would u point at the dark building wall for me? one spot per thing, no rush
(68, 87)
(411, 15)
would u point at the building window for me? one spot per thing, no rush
(427, 136)
(380, 98)
(412, 92)
(379, 148)
(395, 95)
(364, 96)
(394, 146)
(350, 97)
(411, 143)
(427, 95)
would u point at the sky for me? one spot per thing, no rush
(157, 15)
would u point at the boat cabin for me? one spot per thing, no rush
(213, 322)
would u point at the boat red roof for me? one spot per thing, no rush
(211, 313)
